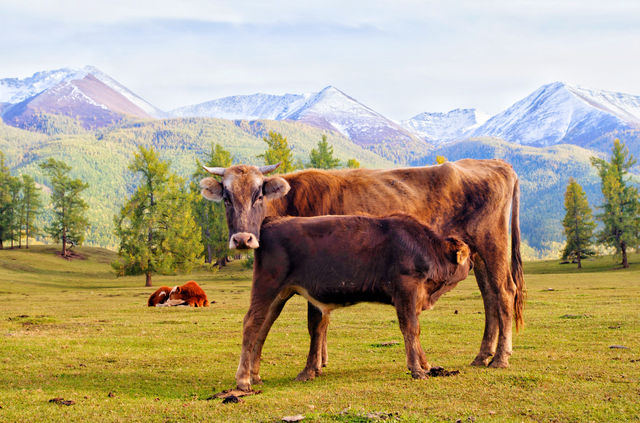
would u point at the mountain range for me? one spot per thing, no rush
(88, 119)
(556, 113)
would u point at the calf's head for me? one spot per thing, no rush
(459, 254)
(244, 190)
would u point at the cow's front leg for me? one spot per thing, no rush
(410, 327)
(317, 323)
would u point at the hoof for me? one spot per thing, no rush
(479, 361)
(244, 386)
(419, 374)
(307, 374)
(256, 380)
(499, 364)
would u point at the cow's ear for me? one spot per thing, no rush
(459, 252)
(211, 189)
(275, 187)
(178, 289)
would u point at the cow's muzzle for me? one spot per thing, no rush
(243, 241)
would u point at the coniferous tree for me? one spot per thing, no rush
(578, 224)
(69, 222)
(13, 210)
(621, 209)
(210, 215)
(322, 158)
(31, 207)
(5, 200)
(278, 151)
(156, 228)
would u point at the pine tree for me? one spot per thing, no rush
(69, 222)
(578, 224)
(5, 200)
(621, 209)
(322, 158)
(353, 164)
(31, 206)
(210, 215)
(14, 210)
(278, 151)
(156, 228)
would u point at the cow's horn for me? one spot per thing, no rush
(214, 170)
(269, 168)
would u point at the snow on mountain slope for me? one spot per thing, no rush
(86, 94)
(440, 128)
(246, 107)
(329, 109)
(558, 113)
(15, 90)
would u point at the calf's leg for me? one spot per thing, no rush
(410, 327)
(261, 300)
(317, 325)
(314, 316)
(274, 311)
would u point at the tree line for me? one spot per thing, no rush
(620, 212)
(21, 204)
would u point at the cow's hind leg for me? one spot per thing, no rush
(491, 329)
(274, 311)
(318, 323)
(500, 283)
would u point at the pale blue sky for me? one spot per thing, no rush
(399, 57)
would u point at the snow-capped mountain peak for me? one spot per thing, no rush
(559, 113)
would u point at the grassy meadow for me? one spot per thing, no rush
(71, 329)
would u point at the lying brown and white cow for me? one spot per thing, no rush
(335, 261)
(474, 200)
(190, 295)
(160, 296)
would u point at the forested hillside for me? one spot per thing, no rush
(100, 158)
(544, 174)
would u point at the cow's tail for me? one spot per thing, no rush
(516, 258)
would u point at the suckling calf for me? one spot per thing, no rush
(335, 261)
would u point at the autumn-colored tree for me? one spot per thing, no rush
(156, 228)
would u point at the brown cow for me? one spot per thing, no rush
(471, 199)
(191, 294)
(335, 261)
(160, 296)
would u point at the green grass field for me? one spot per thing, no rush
(72, 330)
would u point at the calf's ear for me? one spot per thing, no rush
(275, 187)
(211, 189)
(459, 252)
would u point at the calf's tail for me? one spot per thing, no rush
(516, 259)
